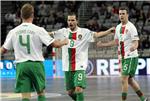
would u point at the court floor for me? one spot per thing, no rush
(100, 88)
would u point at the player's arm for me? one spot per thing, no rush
(107, 44)
(3, 50)
(59, 43)
(103, 33)
(134, 46)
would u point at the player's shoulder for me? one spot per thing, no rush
(62, 29)
(36, 27)
(14, 29)
(131, 25)
(83, 29)
(31, 25)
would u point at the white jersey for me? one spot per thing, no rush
(125, 34)
(75, 54)
(26, 40)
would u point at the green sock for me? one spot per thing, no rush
(25, 99)
(41, 98)
(80, 96)
(124, 96)
(73, 96)
(140, 94)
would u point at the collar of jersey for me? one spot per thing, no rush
(74, 31)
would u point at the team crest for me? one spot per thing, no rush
(79, 36)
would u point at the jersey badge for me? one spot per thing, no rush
(81, 66)
(79, 36)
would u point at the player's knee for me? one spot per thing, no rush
(130, 81)
(78, 89)
(26, 95)
(41, 93)
(124, 79)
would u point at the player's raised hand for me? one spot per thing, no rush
(112, 30)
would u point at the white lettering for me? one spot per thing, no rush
(1, 65)
(114, 67)
(148, 65)
(141, 65)
(102, 67)
(9, 65)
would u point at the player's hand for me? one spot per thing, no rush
(112, 30)
(51, 33)
(65, 41)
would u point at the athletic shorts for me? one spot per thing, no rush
(30, 76)
(129, 66)
(75, 79)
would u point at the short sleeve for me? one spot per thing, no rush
(115, 36)
(8, 42)
(134, 33)
(90, 35)
(60, 34)
(45, 37)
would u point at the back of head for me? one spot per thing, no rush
(27, 11)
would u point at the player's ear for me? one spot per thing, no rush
(77, 22)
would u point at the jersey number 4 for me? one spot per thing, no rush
(25, 42)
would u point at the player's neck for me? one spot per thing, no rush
(124, 22)
(27, 20)
(74, 29)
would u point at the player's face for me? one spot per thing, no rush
(123, 16)
(72, 22)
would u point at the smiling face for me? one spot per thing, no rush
(123, 16)
(72, 22)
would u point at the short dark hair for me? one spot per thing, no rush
(124, 8)
(73, 14)
(27, 11)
